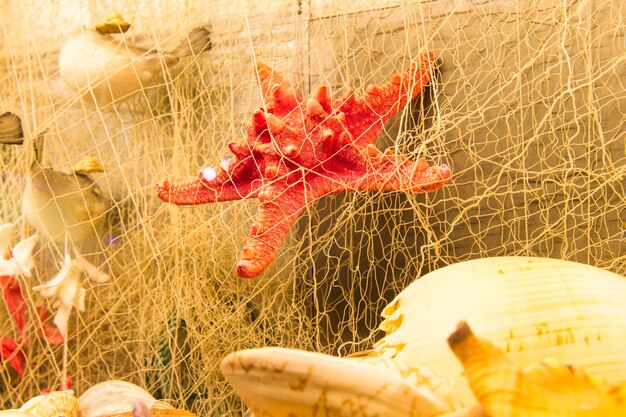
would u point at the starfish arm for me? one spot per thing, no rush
(279, 208)
(200, 191)
(365, 116)
(278, 95)
(388, 172)
(237, 181)
(391, 172)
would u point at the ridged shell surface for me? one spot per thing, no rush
(53, 404)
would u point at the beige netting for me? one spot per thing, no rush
(527, 109)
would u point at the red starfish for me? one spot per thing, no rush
(300, 150)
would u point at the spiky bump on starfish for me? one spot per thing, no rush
(300, 150)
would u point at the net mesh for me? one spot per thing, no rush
(527, 108)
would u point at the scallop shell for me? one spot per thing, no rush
(531, 308)
(54, 404)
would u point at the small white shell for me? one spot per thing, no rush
(112, 397)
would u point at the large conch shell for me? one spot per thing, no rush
(532, 308)
(549, 389)
(118, 398)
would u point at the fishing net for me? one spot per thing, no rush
(527, 108)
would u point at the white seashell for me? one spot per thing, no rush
(112, 397)
(54, 404)
(288, 383)
(531, 308)
(104, 69)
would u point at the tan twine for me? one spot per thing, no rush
(527, 109)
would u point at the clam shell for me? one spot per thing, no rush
(112, 398)
(531, 308)
(54, 404)
(293, 383)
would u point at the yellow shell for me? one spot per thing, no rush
(87, 165)
(549, 389)
(54, 404)
(531, 308)
(113, 23)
